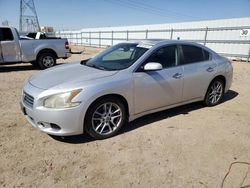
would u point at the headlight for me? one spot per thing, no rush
(62, 100)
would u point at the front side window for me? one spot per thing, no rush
(192, 54)
(6, 34)
(118, 57)
(166, 56)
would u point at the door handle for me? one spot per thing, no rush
(177, 76)
(210, 69)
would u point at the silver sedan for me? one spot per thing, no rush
(122, 83)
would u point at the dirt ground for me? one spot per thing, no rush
(188, 146)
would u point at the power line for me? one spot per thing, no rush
(149, 9)
(171, 11)
(123, 4)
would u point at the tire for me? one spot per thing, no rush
(46, 60)
(214, 93)
(101, 123)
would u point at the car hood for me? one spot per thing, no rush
(69, 73)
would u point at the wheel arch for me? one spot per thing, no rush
(221, 77)
(46, 50)
(118, 96)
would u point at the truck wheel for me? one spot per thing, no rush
(46, 60)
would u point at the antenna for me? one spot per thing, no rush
(28, 18)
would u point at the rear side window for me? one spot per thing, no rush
(206, 55)
(192, 54)
(6, 34)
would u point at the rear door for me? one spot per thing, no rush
(156, 89)
(198, 71)
(9, 47)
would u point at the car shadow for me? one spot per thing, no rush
(147, 119)
(181, 110)
(20, 67)
(16, 67)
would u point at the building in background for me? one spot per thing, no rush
(229, 37)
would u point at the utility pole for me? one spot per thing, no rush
(28, 20)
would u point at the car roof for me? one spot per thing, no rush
(154, 42)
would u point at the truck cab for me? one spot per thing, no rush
(9, 45)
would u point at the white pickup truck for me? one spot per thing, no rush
(42, 53)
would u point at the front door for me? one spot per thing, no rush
(156, 89)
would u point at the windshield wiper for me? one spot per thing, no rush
(96, 66)
(83, 62)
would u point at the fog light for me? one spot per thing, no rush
(43, 125)
(55, 126)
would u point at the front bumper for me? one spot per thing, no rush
(59, 122)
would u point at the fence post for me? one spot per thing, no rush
(99, 39)
(81, 38)
(171, 34)
(146, 34)
(127, 34)
(90, 38)
(112, 38)
(76, 38)
(70, 36)
(205, 38)
(248, 54)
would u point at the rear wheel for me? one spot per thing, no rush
(215, 92)
(105, 118)
(46, 60)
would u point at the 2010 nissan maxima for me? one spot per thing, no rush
(122, 83)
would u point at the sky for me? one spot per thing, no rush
(78, 14)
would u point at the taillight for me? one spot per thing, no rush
(66, 45)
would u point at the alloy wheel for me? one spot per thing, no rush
(215, 92)
(107, 118)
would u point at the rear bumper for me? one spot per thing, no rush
(67, 55)
(229, 77)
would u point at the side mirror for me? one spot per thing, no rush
(152, 66)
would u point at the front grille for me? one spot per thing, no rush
(28, 99)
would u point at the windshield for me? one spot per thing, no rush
(118, 57)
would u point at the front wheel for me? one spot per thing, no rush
(46, 60)
(214, 93)
(105, 118)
